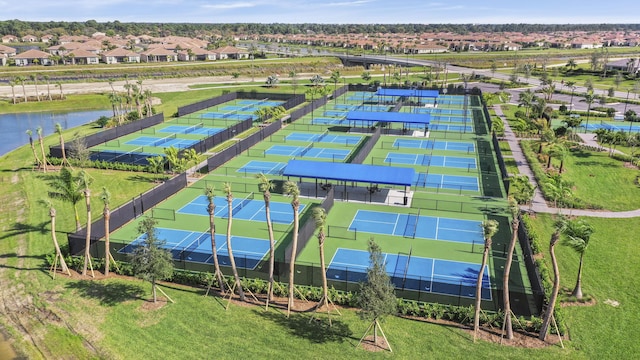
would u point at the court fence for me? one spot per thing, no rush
(109, 134)
(501, 164)
(365, 149)
(315, 104)
(232, 151)
(126, 212)
(532, 269)
(290, 101)
(204, 145)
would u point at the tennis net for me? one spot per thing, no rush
(323, 135)
(305, 150)
(246, 201)
(193, 128)
(163, 140)
(229, 114)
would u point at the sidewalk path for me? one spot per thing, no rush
(539, 204)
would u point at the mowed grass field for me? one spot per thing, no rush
(108, 318)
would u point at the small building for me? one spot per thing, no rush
(29, 39)
(231, 52)
(158, 55)
(33, 57)
(196, 54)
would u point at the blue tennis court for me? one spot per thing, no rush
(417, 226)
(468, 147)
(328, 121)
(302, 151)
(436, 111)
(226, 115)
(612, 127)
(411, 272)
(261, 103)
(265, 167)
(348, 140)
(450, 119)
(198, 129)
(449, 127)
(431, 160)
(441, 181)
(335, 113)
(196, 247)
(162, 142)
(242, 209)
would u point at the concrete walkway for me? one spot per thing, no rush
(539, 204)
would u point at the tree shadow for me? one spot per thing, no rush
(108, 293)
(596, 163)
(316, 331)
(14, 255)
(143, 179)
(20, 228)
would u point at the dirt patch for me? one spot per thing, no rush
(589, 302)
(149, 305)
(629, 165)
(369, 345)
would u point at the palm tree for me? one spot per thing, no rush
(571, 64)
(589, 98)
(20, 80)
(515, 223)
(559, 227)
(291, 189)
(105, 196)
(294, 80)
(211, 209)
(111, 81)
(33, 148)
(59, 85)
(64, 153)
(12, 83)
(526, 99)
(227, 191)
(335, 79)
(46, 78)
(66, 187)
(266, 186)
(320, 220)
(34, 78)
(489, 228)
(85, 181)
(41, 141)
(577, 234)
(52, 214)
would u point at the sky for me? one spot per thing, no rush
(326, 11)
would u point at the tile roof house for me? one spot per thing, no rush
(7, 50)
(231, 52)
(158, 55)
(29, 38)
(32, 57)
(82, 57)
(631, 66)
(9, 39)
(196, 54)
(120, 55)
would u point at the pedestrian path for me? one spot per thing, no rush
(539, 204)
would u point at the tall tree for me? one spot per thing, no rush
(34, 78)
(546, 321)
(33, 148)
(589, 98)
(59, 256)
(85, 181)
(576, 236)
(265, 185)
(335, 79)
(238, 284)
(375, 297)
(64, 153)
(149, 260)
(12, 83)
(20, 80)
(46, 78)
(44, 155)
(320, 221)
(526, 99)
(291, 189)
(105, 196)
(59, 85)
(489, 229)
(209, 192)
(515, 222)
(294, 81)
(67, 187)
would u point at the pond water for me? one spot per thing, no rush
(13, 127)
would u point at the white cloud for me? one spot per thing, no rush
(348, 3)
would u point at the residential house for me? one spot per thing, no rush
(428, 48)
(158, 55)
(631, 66)
(33, 57)
(231, 52)
(7, 50)
(47, 38)
(82, 57)
(511, 47)
(9, 39)
(196, 54)
(29, 39)
(120, 55)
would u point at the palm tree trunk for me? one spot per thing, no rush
(64, 153)
(107, 248)
(63, 264)
(230, 251)
(577, 291)
(77, 216)
(44, 156)
(556, 288)
(153, 290)
(267, 210)
(214, 251)
(35, 153)
(87, 244)
(505, 279)
(476, 318)
(292, 260)
(325, 286)
(24, 91)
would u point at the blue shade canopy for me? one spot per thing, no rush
(375, 174)
(408, 93)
